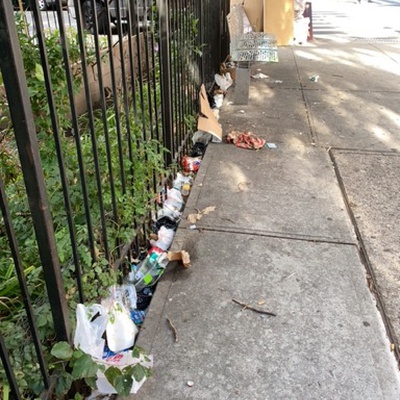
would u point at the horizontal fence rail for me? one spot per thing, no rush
(98, 105)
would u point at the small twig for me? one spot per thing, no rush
(288, 277)
(246, 306)
(174, 330)
(228, 219)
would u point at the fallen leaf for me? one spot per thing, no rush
(193, 218)
(207, 210)
(261, 302)
(243, 186)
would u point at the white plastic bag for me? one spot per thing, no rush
(121, 330)
(174, 200)
(91, 322)
(121, 361)
(219, 100)
(165, 238)
(201, 136)
(223, 81)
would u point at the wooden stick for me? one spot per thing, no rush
(174, 330)
(246, 306)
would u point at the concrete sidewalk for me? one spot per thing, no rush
(282, 239)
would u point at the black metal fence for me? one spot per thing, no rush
(95, 115)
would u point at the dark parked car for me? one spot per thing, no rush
(141, 10)
(43, 4)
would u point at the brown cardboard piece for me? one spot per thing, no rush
(279, 19)
(182, 255)
(207, 121)
(254, 11)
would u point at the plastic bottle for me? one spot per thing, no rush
(150, 270)
(185, 189)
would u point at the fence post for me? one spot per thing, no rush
(9, 371)
(165, 65)
(11, 66)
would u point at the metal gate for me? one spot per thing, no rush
(94, 119)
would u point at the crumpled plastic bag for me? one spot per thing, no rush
(121, 361)
(113, 318)
(165, 238)
(121, 330)
(90, 329)
(223, 81)
(174, 199)
(203, 137)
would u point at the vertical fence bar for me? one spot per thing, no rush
(95, 27)
(77, 138)
(114, 88)
(140, 71)
(197, 72)
(22, 282)
(166, 100)
(15, 84)
(63, 38)
(57, 140)
(225, 35)
(154, 76)
(8, 369)
(181, 68)
(179, 50)
(174, 26)
(202, 18)
(148, 75)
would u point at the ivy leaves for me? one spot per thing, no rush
(62, 351)
(83, 366)
(122, 380)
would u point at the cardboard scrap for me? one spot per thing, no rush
(207, 121)
(254, 11)
(279, 19)
(182, 255)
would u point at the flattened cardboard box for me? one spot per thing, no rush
(279, 19)
(254, 10)
(207, 121)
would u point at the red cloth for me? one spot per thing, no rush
(246, 140)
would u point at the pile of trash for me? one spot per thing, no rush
(107, 331)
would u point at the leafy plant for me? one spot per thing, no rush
(76, 365)
(143, 164)
(133, 155)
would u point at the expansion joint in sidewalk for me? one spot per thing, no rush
(275, 235)
(371, 278)
(310, 127)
